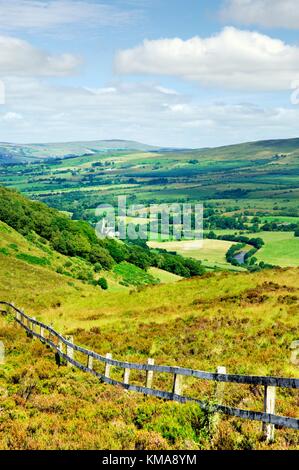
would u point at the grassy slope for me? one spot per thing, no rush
(46, 407)
(13, 244)
(164, 276)
(245, 323)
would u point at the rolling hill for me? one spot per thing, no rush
(13, 153)
(243, 321)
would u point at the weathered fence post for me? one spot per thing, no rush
(295, 353)
(69, 350)
(60, 345)
(269, 407)
(90, 362)
(33, 327)
(108, 366)
(29, 326)
(219, 394)
(220, 386)
(150, 374)
(177, 384)
(127, 376)
(2, 353)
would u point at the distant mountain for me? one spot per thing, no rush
(284, 151)
(264, 149)
(13, 153)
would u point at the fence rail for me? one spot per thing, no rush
(58, 342)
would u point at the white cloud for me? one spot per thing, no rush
(46, 15)
(11, 117)
(181, 108)
(166, 91)
(231, 59)
(18, 57)
(101, 91)
(268, 13)
(135, 112)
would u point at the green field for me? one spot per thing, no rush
(210, 252)
(281, 248)
(280, 218)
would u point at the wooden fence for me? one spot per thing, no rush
(66, 349)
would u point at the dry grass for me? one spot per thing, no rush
(245, 322)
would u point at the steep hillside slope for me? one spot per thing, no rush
(245, 322)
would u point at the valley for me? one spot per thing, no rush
(186, 303)
(248, 180)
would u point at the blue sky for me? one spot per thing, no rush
(189, 73)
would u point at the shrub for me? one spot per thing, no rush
(102, 282)
(98, 267)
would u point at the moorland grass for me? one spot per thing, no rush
(245, 322)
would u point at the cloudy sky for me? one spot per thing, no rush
(185, 73)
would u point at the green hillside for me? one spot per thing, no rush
(36, 234)
(246, 323)
(30, 152)
(158, 304)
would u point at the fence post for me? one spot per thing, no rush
(127, 376)
(220, 385)
(150, 374)
(29, 326)
(60, 345)
(108, 366)
(2, 353)
(219, 393)
(177, 384)
(33, 327)
(42, 332)
(69, 350)
(90, 362)
(269, 407)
